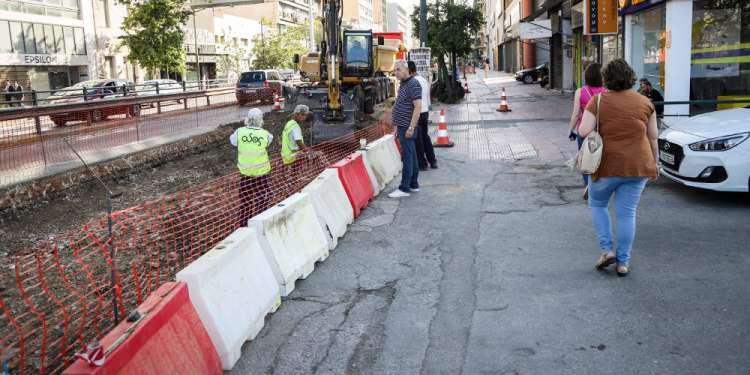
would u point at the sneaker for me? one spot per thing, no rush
(398, 194)
(415, 190)
(434, 166)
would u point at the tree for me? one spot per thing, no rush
(154, 33)
(230, 64)
(273, 49)
(450, 30)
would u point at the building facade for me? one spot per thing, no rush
(46, 46)
(400, 20)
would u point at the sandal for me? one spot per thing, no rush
(622, 270)
(605, 260)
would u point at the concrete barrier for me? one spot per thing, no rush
(376, 186)
(167, 337)
(356, 181)
(331, 205)
(233, 288)
(292, 239)
(384, 159)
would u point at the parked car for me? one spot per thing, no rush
(260, 85)
(531, 75)
(709, 151)
(165, 86)
(92, 91)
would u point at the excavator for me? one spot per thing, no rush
(347, 77)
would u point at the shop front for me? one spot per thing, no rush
(588, 49)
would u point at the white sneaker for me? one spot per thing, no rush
(397, 194)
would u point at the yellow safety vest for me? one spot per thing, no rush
(252, 154)
(288, 156)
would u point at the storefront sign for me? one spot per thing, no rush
(42, 59)
(421, 57)
(535, 29)
(600, 17)
(632, 6)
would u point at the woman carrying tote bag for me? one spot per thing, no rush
(627, 126)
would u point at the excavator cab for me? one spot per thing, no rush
(357, 51)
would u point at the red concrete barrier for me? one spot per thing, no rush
(356, 181)
(168, 338)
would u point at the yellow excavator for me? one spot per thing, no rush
(346, 78)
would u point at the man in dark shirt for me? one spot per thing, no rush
(406, 112)
(652, 94)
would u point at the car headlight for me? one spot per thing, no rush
(719, 144)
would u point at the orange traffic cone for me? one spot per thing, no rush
(466, 88)
(503, 102)
(276, 103)
(442, 136)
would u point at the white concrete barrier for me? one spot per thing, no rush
(384, 159)
(232, 287)
(331, 205)
(376, 186)
(292, 239)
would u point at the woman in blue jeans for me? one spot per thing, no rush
(627, 125)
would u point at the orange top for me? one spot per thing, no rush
(623, 124)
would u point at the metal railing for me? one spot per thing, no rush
(34, 98)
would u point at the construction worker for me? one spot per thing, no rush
(252, 143)
(291, 137)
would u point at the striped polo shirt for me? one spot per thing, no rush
(409, 91)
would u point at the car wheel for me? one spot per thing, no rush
(59, 122)
(528, 79)
(135, 111)
(96, 115)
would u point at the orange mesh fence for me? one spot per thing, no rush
(29, 144)
(58, 296)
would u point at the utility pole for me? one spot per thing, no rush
(423, 23)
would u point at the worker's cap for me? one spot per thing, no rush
(301, 109)
(254, 118)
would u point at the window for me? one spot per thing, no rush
(6, 44)
(102, 12)
(28, 37)
(719, 59)
(16, 36)
(49, 39)
(59, 41)
(648, 45)
(80, 41)
(70, 44)
(41, 46)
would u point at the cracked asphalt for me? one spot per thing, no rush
(489, 270)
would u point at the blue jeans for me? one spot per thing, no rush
(579, 140)
(627, 192)
(410, 170)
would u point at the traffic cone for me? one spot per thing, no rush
(503, 102)
(466, 88)
(276, 103)
(442, 136)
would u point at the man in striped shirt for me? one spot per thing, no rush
(406, 112)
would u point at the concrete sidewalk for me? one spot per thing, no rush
(489, 269)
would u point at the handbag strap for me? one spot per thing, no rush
(598, 109)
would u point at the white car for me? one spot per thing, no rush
(709, 151)
(166, 86)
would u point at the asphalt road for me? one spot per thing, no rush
(490, 269)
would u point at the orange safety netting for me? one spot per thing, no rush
(57, 297)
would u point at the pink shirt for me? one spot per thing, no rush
(587, 92)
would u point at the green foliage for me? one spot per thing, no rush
(274, 49)
(450, 27)
(230, 63)
(154, 33)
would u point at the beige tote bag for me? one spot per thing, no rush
(590, 154)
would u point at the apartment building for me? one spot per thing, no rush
(400, 20)
(379, 15)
